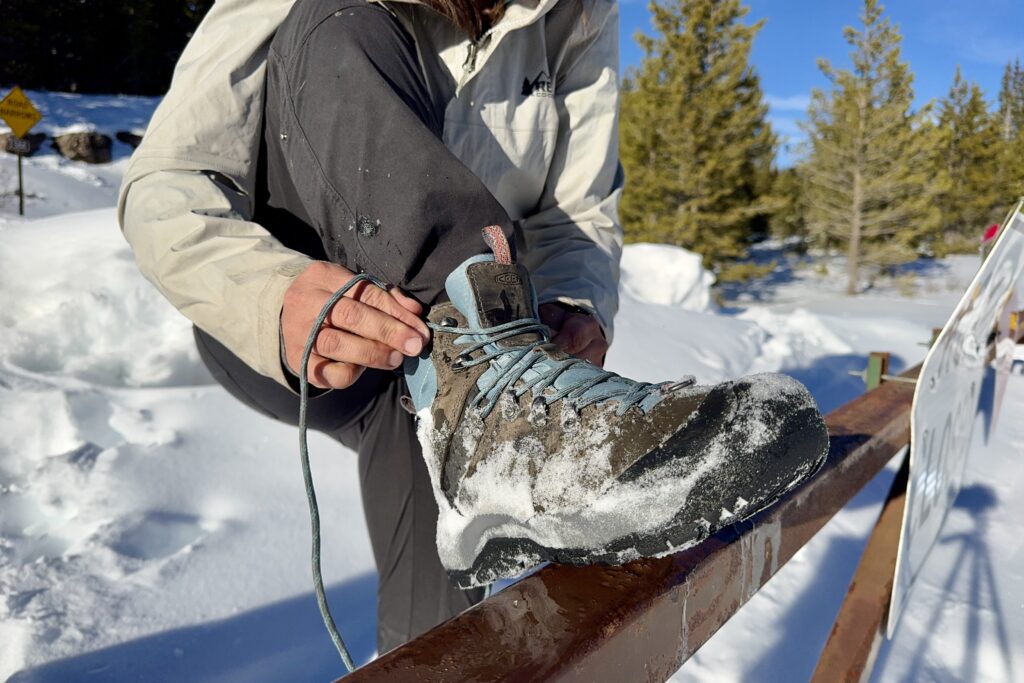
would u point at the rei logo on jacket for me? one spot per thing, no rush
(540, 86)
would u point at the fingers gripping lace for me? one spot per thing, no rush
(529, 356)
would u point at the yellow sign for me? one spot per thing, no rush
(18, 112)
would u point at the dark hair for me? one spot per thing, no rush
(474, 17)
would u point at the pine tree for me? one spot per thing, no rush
(789, 220)
(970, 153)
(1011, 102)
(1010, 181)
(870, 175)
(695, 142)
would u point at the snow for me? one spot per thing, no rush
(84, 312)
(667, 275)
(54, 185)
(971, 589)
(152, 528)
(565, 503)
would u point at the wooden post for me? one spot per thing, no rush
(21, 189)
(878, 368)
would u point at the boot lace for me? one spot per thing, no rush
(588, 385)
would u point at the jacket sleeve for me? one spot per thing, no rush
(573, 242)
(186, 201)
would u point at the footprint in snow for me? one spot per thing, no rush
(158, 535)
(84, 457)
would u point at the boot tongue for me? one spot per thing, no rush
(490, 290)
(490, 293)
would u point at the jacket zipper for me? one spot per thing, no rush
(469, 66)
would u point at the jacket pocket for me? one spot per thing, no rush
(507, 139)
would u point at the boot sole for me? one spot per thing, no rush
(743, 486)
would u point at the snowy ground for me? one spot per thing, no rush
(54, 185)
(151, 528)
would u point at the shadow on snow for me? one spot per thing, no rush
(973, 564)
(807, 617)
(787, 264)
(829, 380)
(283, 641)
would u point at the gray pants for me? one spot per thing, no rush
(353, 170)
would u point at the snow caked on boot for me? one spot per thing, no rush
(536, 455)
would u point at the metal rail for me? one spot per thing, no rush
(642, 621)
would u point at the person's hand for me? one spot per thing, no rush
(367, 328)
(575, 331)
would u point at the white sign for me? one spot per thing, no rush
(946, 403)
(18, 146)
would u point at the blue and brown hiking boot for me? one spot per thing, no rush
(537, 455)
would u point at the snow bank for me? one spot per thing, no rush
(665, 275)
(151, 526)
(73, 303)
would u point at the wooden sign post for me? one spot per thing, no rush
(20, 114)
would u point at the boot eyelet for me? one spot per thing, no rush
(449, 322)
(538, 413)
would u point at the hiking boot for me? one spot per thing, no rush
(537, 455)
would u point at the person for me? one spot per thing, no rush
(451, 168)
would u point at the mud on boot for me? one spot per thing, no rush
(536, 455)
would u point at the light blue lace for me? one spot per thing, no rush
(529, 356)
(307, 474)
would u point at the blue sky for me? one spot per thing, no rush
(979, 35)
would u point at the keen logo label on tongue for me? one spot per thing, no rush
(501, 292)
(508, 279)
(494, 237)
(504, 301)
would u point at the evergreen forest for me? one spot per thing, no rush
(878, 180)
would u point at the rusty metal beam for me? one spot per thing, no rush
(852, 647)
(641, 621)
